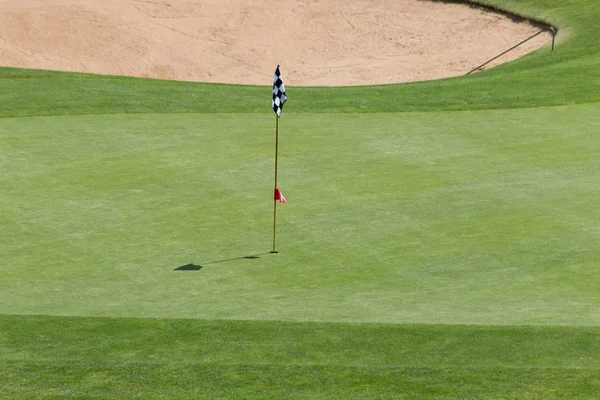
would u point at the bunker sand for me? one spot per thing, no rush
(317, 42)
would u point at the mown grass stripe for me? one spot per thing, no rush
(43, 356)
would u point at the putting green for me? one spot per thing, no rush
(484, 217)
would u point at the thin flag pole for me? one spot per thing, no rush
(279, 98)
(274, 199)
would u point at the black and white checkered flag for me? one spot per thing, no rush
(279, 96)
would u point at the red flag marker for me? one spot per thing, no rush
(279, 196)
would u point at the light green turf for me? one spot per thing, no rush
(458, 217)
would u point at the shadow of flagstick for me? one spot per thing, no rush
(194, 267)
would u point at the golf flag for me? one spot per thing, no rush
(279, 99)
(279, 196)
(279, 96)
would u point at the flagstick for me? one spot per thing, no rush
(275, 200)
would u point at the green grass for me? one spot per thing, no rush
(473, 217)
(152, 359)
(441, 239)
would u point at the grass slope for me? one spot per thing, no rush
(50, 357)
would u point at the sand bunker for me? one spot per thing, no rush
(317, 42)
